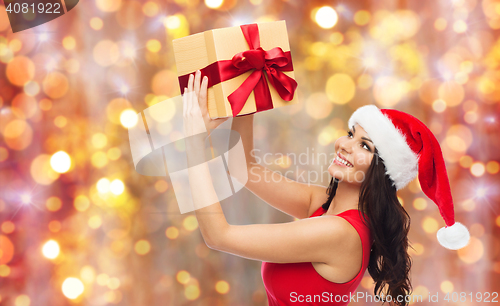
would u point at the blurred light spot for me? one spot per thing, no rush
(161, 186)
(470, 117)
(96, 23)
(492, 167)
(336, 38)
(26, 199)
(362, 17)
(8, 227)
(60, 162)
(318, 106)
(389, 90)
(72, 287)
(459, 26)
(430, 225)
(420, 204)
(22, 300)
(172, 232)
(87, 274)
(213, 4)
(102, 279)
(81, 203)
(113, 283)
(69, 42)
(124, 89)
(451, 92)
(4, 271)
(173, 22)
(150, 9)
(106, 53)
(420, 293)
(130, 16)
(95, 222)
(477, 169)
(108, 5)
(15, 45)
(99, 159)
(20, 70)
(116, 187)
(60, 121)
(439, 106)
(99, 140)
(31, 88)
(183, 277)
(192, 292)
(53, 204)
(6, 250)
(4, 154)
(41, 170)
(326, 17)
(466, 161)
(103, 185)
(340, 88)
(222, 287)
(256, 2)
(51, 249)
(54, 226)
(153, 45)
(472, 252)
(128, 118)
(55, 85)
(114, 153)
(72, 65)
(497, 221)
(45, 104)
(440, 24)
(468, 205)
(190, 223)
(459, 138)
(481, 192)
(418, 249)
(142, 247)
(365, 81)
(43, 37)
(447, 286)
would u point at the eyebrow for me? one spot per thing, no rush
(354, 130)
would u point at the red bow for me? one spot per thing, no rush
(273, 62)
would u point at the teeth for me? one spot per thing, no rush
(343, 161)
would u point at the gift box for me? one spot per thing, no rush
(249, 67)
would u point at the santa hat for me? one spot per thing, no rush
(408, 148)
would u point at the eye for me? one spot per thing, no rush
(349, 134)
(364, 145)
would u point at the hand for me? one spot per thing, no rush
(201, 92)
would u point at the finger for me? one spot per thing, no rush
(190, 82)
(203, 93)
(184, 102)
(197, 78)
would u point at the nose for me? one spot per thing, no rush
(347, 145)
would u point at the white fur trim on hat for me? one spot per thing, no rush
(400, 161)
(453, 237)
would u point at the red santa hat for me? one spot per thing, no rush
(408, 148)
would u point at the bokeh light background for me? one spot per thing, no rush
(80, 227)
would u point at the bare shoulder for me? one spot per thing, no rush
(318, 198)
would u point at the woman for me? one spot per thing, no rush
(362, 226)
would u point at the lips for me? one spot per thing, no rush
(342, 160)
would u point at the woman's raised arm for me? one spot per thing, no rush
(291, 197)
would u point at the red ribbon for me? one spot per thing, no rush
(272, 62)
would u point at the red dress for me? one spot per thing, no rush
(300, 284)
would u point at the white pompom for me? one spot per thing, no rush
(453, 237)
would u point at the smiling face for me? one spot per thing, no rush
(353, 156)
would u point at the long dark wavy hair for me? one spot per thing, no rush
(389, 224)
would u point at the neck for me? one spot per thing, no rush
(347, 197)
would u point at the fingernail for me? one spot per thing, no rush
(205, 78)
